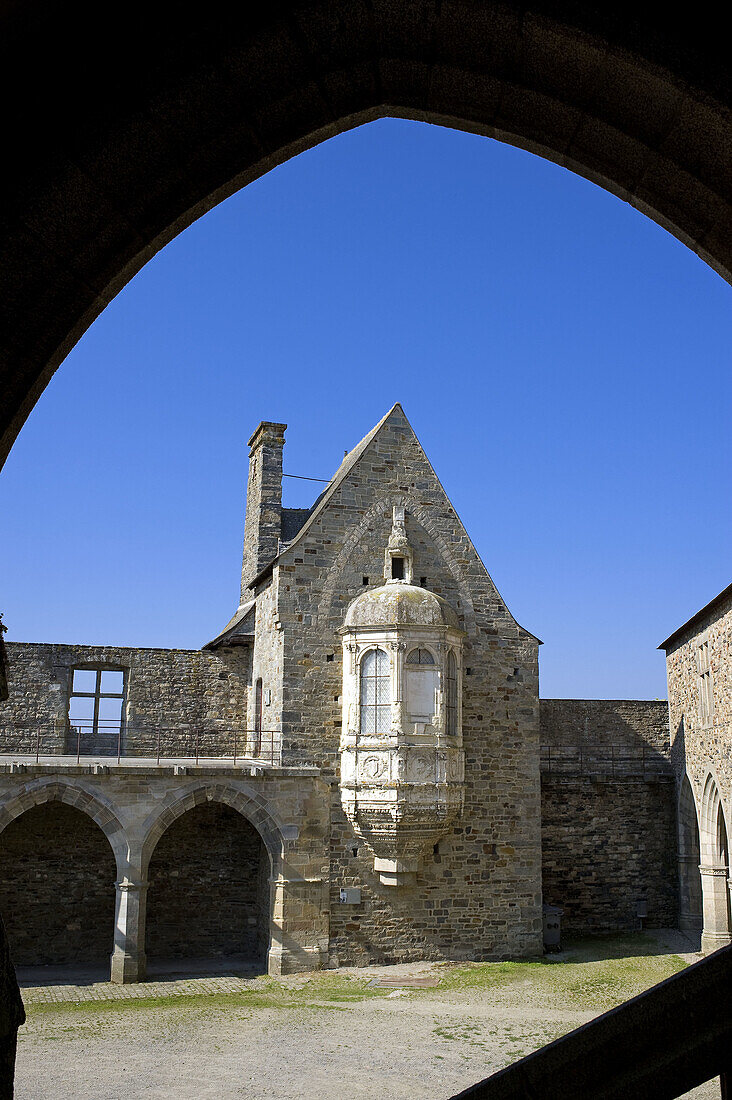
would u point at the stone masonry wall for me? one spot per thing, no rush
(54, 913)
(699, 746)
(176, 695)
(607, 844)
(631, 730)
(263, 525)
(268, 664)
(205, 878)
(608, 813)
(479, 894)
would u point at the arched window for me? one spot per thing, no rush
(451, 695)
(422, 681)
(257, 718)
(375, 692)
(420, 657)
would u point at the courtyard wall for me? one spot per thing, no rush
(608, 814)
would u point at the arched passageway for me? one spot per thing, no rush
(57, 892)
(717, 931)
(690, 890)
(208, 893)
(105, 169)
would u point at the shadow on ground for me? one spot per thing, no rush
(158, 970)
(656, 941)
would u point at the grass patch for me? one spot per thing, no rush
(593, 973)
(320, 992)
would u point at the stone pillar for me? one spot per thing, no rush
(715, 900)
(299, 926)
(128, 962)
(690, 904)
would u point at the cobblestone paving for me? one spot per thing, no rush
(105, 991)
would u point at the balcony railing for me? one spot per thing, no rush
(607, 760)
(109, 739)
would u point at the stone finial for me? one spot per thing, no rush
(398, 556)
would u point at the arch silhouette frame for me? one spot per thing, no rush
(100, 182)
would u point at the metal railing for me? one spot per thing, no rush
(610, 760)
(110, 739)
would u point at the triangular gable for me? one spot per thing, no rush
(348, 465)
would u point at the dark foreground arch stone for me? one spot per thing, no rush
(115, 141)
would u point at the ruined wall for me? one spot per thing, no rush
(57, 875)
(178, 695)
(205, 878)
(479, 894)
(608, 813)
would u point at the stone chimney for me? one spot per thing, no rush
(263, 523)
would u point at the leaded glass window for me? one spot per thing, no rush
(420, 657)
(451, 696)
(375, 692)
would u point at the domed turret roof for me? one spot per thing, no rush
(397, 603)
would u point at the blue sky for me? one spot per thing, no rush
(563, 360)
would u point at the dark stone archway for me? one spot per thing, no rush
(208, 894)
(690, 889)
(57, 893)
(114, 142)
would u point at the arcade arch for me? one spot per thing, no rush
(714, 868)
(208, 888)
(57, 886)
(690, 891)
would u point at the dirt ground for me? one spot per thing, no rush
(331, 1035)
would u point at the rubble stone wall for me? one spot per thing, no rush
(205, 879)
(608, 813)
(173, 696)
(54, 916)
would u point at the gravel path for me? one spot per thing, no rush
(223, 1037)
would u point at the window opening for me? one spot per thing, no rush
(375, 692)
(257, 718)
(364, 580)
(420, 657)
(706, 692)
(451, 696)
(397, 569)
(96, 703)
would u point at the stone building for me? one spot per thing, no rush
(358, 768)
(699, 669)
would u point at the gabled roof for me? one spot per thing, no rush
(239, 630)
(698, 618)
(345, 468)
